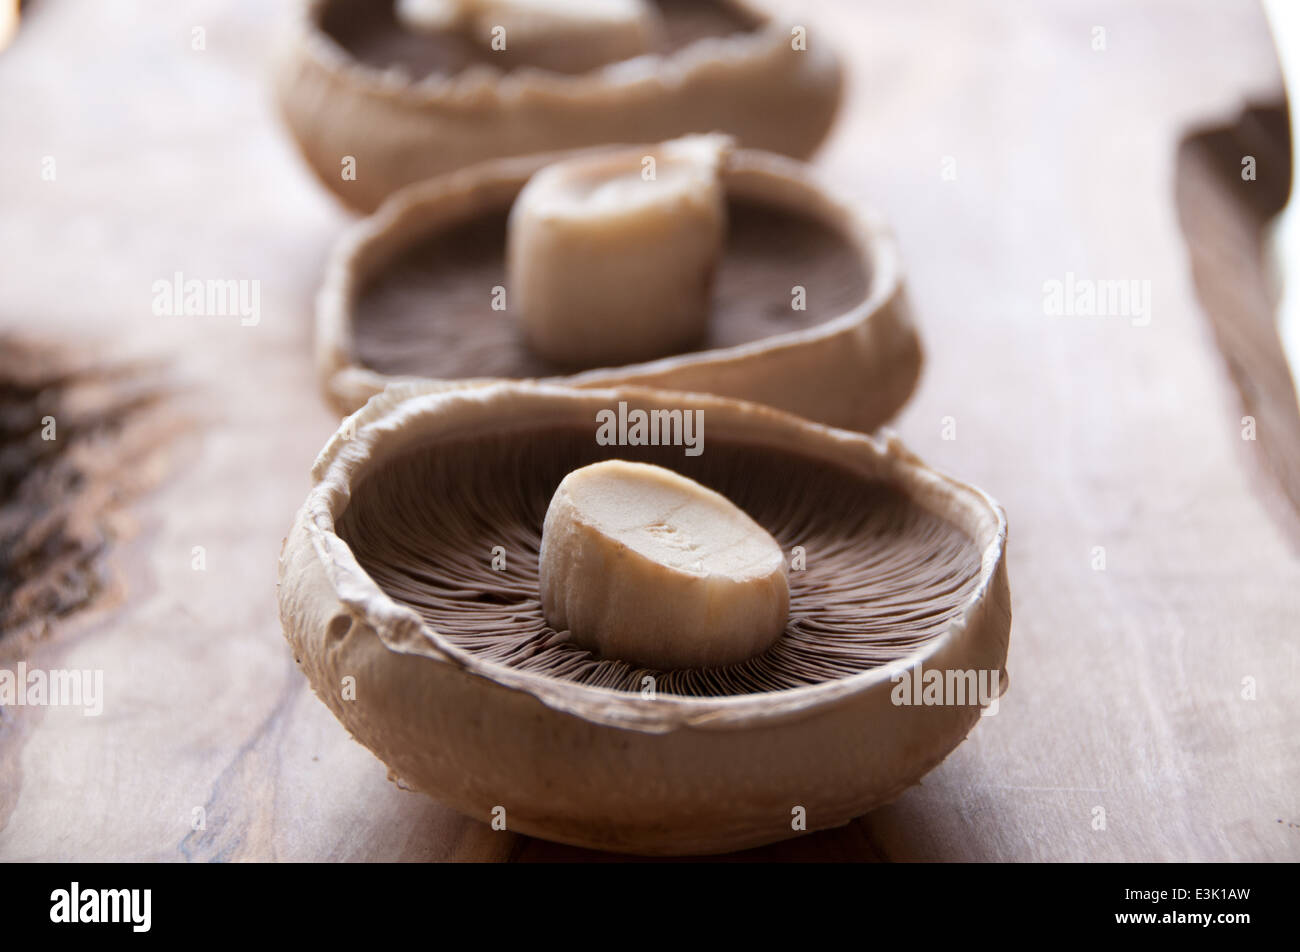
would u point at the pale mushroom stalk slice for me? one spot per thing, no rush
(572, 35)
(432, 16)
(641, 563)
(610, 257)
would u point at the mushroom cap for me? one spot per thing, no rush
(486, 709)
(853, 369)
(401, 129)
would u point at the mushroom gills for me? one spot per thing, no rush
(874, 575)
(643, 564)
(769, 252)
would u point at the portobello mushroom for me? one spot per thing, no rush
(377, 99)
(463, 279)
(410, 594)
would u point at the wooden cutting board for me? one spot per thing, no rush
(1007, 151)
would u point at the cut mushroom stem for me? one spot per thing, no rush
(610, 257)
(643, 564)
(571, 35)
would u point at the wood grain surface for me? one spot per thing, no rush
(1095, 433)
(1226, 214)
